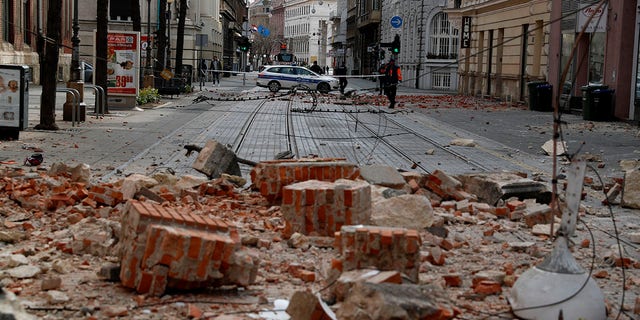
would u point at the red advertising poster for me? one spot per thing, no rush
(123, 63)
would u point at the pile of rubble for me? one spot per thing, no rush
(335, 240)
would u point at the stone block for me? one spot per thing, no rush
(215, 159)
(631, 190)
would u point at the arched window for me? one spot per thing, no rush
(443, 38)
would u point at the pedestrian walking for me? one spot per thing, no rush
(382, 78)
(341, 72)
(216, 67)
(316, 68)
(203, 71)
(393, 75)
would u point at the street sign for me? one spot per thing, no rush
(396, 22)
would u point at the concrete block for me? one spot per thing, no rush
(215, 159)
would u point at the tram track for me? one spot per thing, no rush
(382, 136)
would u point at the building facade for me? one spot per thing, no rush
(219, 21)
(307, 30)
(22, 22)
(429, 40)
(504, 45)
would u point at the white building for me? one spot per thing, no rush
(429, 42)
(307, 30)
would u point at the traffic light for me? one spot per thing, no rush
(382, 54)
(244, 44)
(395, 45)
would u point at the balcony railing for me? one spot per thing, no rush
(371, 17)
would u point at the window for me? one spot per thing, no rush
(8, 21)
(441, 80)
(26, 18)
(443, 38)
(120, 10)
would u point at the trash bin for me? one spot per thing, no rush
(597, 103)
(540, 96)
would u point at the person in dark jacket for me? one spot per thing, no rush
(393, 75)
(341, 71)
(316, 68)
(382, 78)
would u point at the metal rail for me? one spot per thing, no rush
(75, 105)
(101, 98)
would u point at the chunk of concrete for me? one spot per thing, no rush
(561, 147)
(134, 183)
(215, 159)
(405, 211)
(631, 190)
(382, 175)
(491, 187)
(395, 301)
(305, 305)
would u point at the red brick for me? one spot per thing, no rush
(195, 246)
(453, 280)
(307, 276)
(487, 287)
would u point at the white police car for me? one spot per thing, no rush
(285, 77)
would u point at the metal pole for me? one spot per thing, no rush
(168, 57)
(148, 60)
(75, 41)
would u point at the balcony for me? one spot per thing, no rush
(372, 17)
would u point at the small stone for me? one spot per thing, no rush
(601, 274)
(110, 272)
(634, 237)
(16, 260)
(11, 236)
(250, 241)
(585, 243)
(55, 297)
(115, 311)
(298, 241)
(51, 283)
(60, 266)
(23, 272)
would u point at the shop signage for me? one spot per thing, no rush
(465, 35)
(599, 21)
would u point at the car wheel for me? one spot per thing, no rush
(274, 86)
(324, 87)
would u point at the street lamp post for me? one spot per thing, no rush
(168, 55)
(75, 80)
(148, 58)
(75, 41)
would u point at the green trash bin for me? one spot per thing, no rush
(589, 107)
(540, 96)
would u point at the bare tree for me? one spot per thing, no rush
(49, 69)
(101, 46)
(182, 17)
